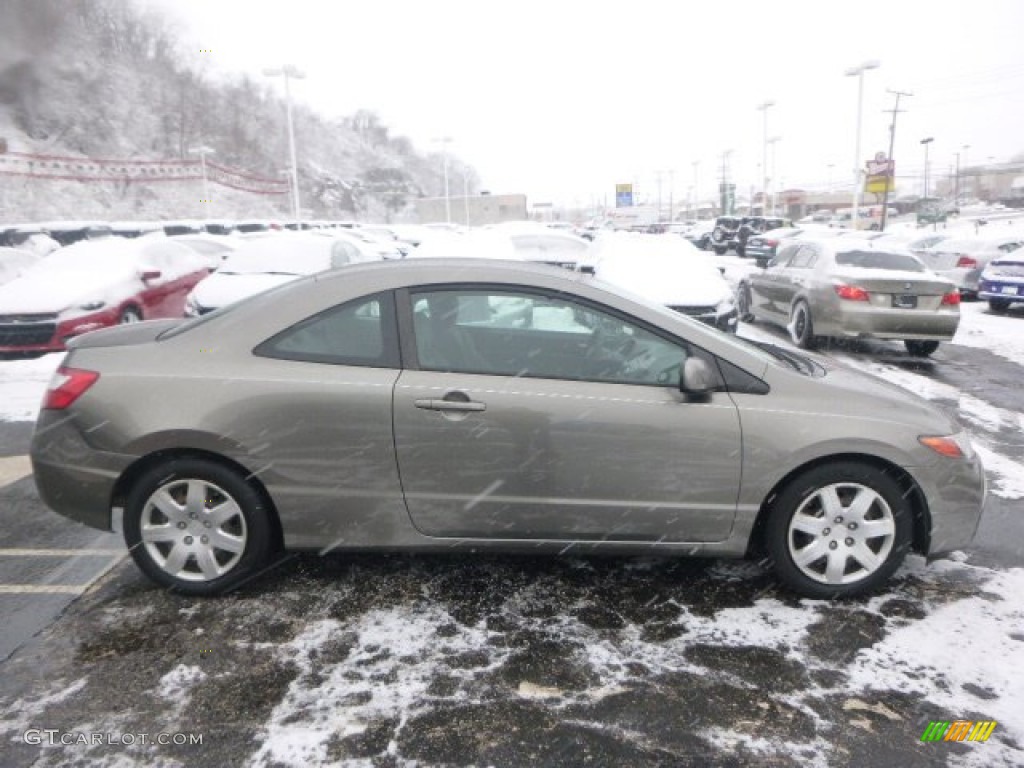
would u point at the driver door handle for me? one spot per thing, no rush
(450, 405)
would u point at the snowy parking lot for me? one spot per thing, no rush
(487, 660)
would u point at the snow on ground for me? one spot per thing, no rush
(22, 385)
(999, 334)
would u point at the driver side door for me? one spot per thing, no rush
(521, 415)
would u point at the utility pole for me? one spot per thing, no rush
(892, 142)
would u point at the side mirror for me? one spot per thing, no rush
(697, 379)
(150, 274)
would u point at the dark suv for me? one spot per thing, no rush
(724, 233)
(733, 231)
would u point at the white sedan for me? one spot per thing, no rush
(260, 264)
(668, 270)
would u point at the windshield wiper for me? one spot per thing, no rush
(799, 362)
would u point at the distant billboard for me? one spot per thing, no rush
(623, 195)
(881, 171)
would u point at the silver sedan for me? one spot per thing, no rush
(440, 405)
(851, 288)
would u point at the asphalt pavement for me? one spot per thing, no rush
(388, 660)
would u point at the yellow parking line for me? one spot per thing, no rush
(59, 552)
(14, 468)
(42, 589)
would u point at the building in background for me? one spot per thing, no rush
(473, 210)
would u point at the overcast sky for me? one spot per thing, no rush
(561, 99)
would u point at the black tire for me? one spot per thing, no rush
(797, 530)
(743, 304)
(801, 326)
(998, 305)
(918, 348)
(718, 235)
(249, 528)
(720, 249)
(130, 314)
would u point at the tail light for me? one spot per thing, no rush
(66, 386)
(951, 299)
(966, 261)
(770, 243)
(851, 293)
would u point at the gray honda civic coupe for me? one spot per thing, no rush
(481, 405)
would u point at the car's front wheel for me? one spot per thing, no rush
(918, 348)
(838, 530)
(197, 526)
(801, 326)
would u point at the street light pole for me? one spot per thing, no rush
(203, 151)
(289, 73)
(696, 190)
(858, 72)
(966, 164)
(763, 109)
(926, 142)
(444, 141)
(774, 177)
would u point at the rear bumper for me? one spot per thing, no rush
(74, 479)
(1001, 289)
(874, 322)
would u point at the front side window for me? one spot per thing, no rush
(360, 332)
(518, 333)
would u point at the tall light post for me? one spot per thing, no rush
(966, 165)
(289, 73)
(465, 192)
(203, 151)
(696, 189)
(444, 141)
(858, 72)
(925, 143)
(763, 109)
(830, 167)
(774, 178)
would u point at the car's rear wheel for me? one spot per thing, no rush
(998, 305)
(918, 348)
(743, 303)
(130, 315)
(197, 526)
(801, 326)
(838, 530)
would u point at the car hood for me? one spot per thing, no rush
(50, 292)
(675, 287)
(854, 394)
(222, 288)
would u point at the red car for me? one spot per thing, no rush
(95, 284)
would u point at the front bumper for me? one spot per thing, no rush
(955, 492)
(73, 478)
(46, 333)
